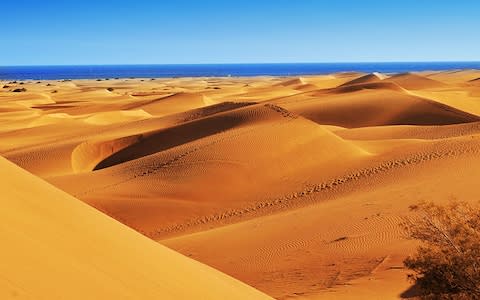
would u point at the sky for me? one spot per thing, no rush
(77, 32)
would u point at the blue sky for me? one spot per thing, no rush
(250, 31)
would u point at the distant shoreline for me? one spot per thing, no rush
(63, 72)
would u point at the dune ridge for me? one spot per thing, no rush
(133, 147)
(369, 78)
(415, 81)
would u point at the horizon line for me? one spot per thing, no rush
(245, 63)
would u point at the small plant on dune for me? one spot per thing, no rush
(19, 90)
(110, 89)
(447, 263)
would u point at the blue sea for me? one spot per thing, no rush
(217, 70)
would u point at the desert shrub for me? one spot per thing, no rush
(6, 86)
(19, 90)
(110, 89)
(447, 263)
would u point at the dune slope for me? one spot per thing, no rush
(376, 107)
(55, 247)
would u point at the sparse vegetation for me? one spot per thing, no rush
(110, 89)
(447, 264)
(6, 86)
(19, 90)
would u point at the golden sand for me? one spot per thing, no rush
(293, 186)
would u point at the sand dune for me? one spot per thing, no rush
(457, 98)
(352, 229)
(56, 247)
(292, 185)
(376, 107)
(175, 103)
(414, 82)
(453, 76)
(369, 78)
(117, 117)
(348, 88)
(170, 162)
(293, 82)
(153, 142)
(409, 132)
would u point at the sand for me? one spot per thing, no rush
(56, 247)
(294, 186)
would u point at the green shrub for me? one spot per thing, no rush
(447, 263)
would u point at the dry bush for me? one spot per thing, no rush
(447, 264)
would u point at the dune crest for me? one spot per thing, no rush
(414, 81)
(369, 78)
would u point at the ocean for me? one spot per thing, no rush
(217, 70)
